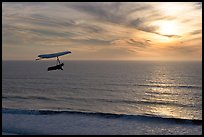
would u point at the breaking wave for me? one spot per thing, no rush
(103, 115)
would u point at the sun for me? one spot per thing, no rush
(167, 28)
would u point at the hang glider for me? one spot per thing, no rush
(53, 55)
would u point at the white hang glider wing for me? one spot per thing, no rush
(53, 55)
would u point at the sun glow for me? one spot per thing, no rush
(168, 28)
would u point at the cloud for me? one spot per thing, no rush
(195, 32)
(127, 26)
(198, 5)
(170, 36)
(93, 42)
(132, 44)
(31, 18)
(123, 14)
(141, 44)
(184, 50)
(139, 24)
(109, 12)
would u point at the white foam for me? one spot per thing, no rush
(5, 133)
(76, 124)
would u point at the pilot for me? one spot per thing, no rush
(56, 67)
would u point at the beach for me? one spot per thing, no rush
(73, 123)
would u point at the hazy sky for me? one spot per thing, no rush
(105, 31)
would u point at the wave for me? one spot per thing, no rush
(169, 86)
(142, 102)
(159, 85)
(123, 101)
(28, 97)
(104, 115)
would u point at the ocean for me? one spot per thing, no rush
(170, 91)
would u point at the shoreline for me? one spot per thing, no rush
(85, 124)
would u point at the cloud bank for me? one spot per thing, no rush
(129, 28)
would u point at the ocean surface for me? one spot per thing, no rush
(116, 89)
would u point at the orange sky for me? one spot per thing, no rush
(103, 31)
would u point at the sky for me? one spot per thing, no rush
(102, 30)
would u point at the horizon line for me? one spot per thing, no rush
(110, 60)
